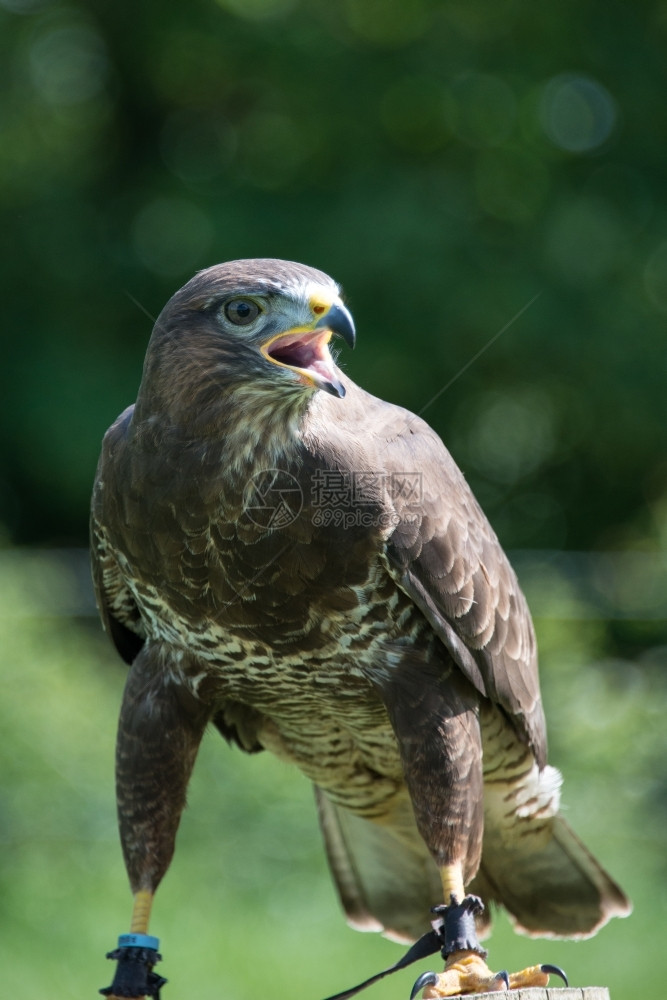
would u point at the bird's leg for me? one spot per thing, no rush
(141, 912)
(434, 714)
(160, 729)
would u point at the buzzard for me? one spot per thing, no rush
(282, 555)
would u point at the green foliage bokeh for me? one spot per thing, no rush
(446, 161)
(486, 180)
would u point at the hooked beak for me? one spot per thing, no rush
(339, 321)
(306, 349)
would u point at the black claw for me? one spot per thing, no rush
(553, 970)
(426, 979)
(504, 976)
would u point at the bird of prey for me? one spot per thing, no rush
(282, 555)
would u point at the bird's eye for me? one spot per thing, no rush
(242, 312)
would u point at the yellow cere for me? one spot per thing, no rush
(321, 304)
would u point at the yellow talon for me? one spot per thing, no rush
(466, 972)
(533, 976)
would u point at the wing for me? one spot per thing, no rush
(118, 610)
(442, 551)
(446, 556)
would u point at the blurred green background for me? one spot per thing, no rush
(486, 180)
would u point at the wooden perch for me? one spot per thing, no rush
(549, 993)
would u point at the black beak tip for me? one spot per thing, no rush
(339, 321)
(335, 388)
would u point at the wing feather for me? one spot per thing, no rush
(450, 562)
(441, 550)
(118, 610)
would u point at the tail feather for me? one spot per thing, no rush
(551, 886)
(535, 867)
(386, 878)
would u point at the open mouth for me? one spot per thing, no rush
(308, 352)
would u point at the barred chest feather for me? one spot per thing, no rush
(244, 645)
(312, 700)
(286, 630)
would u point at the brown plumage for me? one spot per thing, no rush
(351, 611)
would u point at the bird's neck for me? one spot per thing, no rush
(245, 432)
(261, 432)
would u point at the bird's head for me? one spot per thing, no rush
(248, 329)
